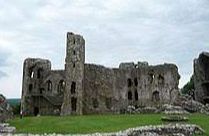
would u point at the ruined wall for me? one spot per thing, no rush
(87, 88)
(42, 90)
(112, 90)
(42, 106)
(201, 78)
(54, 82)
(6, 110)
(33, 73)
(98, 89)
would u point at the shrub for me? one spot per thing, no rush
(16, 109)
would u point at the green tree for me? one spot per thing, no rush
(188, 86)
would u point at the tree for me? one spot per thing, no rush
(189, 86)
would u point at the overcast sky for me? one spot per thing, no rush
(157, 31)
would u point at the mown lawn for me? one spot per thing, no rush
(94, 123)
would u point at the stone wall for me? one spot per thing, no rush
(74, 70)
(98, 89)
(201, 77)
(42, 91)
(112, 90)
(5, 109)
(88, 88)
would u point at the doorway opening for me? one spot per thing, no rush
(36, 111)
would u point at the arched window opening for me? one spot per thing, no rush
(160, 80)
(36, 111)
(31, 74)
(74, 53)
(136, 95)
(135, 82)
(95, 103)
(30, 88)
(61, 86)
(49, 85)
(74, 64)
(129, 95)
(41, 90)
(151, 77)
(108, 103)
(129, 82)
(73, 104)
(155, 96)
(73, 87)
(40, 73)
(73, 40)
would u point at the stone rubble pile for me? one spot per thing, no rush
(183, 129)
(166, 108)
(171, 109)
(190, 105)
(5, 109)
(183, 105)
(159, 130)
(132, 110)
(5, 128)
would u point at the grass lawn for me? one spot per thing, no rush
(94, 123)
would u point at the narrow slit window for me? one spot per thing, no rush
(135, 81)
(39, 73)
(129, 82)
(49, 85)
(73, 104)
(30, 88)
(136, 95)
(61, 86)
(73, 87)
(129, 95)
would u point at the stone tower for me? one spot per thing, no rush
(74, 69)
(33, 73)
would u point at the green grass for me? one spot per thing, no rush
(94, 123)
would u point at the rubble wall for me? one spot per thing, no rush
(201, 77)
(112, 90)
(40, 87)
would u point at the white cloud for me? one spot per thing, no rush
(115, 31)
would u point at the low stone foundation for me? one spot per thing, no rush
(159, 130)
(6, 129)
(5, 109)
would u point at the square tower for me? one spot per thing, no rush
(74, 70)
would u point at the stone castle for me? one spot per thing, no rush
(92, 89)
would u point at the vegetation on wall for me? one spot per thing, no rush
(189, 86)
(15, 104)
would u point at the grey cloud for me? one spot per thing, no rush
(4, 56)
(134, 30)
(3, 74)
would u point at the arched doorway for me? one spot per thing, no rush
(129, 95)
(36, 111)
(73, 104)
(155, 96)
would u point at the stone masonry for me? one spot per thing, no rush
(90, 89)
(201, 78)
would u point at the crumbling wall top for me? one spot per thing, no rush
(127, 65)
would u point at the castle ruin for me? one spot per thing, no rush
(83, 88)
(201, 78)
